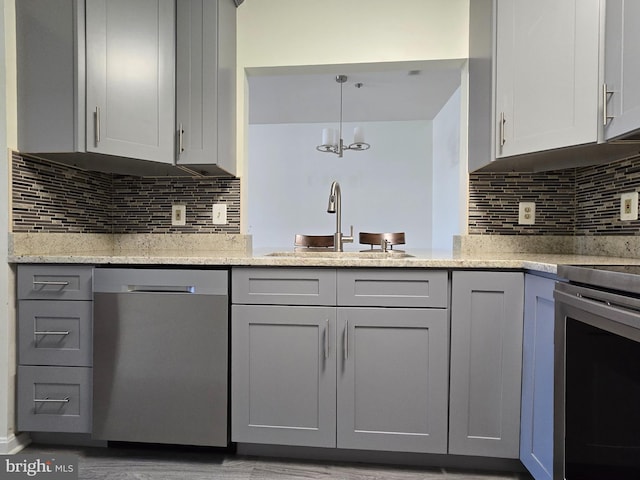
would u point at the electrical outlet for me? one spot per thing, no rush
(527, 213)
(629, 206)
(178, 215)
(219, 214)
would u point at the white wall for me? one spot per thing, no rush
(276, 33)
(8, 442)
(446, 174)
(384, 189)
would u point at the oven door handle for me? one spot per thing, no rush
(621, 321)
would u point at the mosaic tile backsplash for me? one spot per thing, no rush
(598, 191)
(48, 197)
(494, 200)
(52, 198)
(579, 201)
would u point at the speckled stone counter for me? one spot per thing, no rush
(235, 250)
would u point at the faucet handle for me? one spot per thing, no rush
(348, 238)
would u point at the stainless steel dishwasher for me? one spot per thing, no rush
(161, 356)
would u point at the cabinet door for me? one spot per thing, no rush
(486, 363)
(50, 75)
(283, 375)
(536, 435)
(392, 379)
(622, 69)
(205, 82)
(546, 74)
(130, 78)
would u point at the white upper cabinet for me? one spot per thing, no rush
(130, 81)
(546, 74)
(536, 72)
(622, 68)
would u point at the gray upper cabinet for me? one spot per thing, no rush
(50, 70)
(206, 82)
(622, 69)
(130, 60)
(144, 87)
(536, 434)
(486, 363)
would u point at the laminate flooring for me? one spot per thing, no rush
(163, 464)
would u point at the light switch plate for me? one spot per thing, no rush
(527, 213)
(178, 215)
(629, 206)
(219, 214)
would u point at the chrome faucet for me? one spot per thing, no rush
(336, 207)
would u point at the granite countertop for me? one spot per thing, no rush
(230, 250)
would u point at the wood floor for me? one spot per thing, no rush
(161, 464)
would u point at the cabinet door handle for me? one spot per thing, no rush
(97, 132)
(326, 340)
(50, 283)
(605, 97)
(51, 400)
(51, 333)
(180, 139)
(346, 339)
(502, 122)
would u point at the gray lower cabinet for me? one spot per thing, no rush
(536, 427)
(486, 363)
(392, 379)
(55, 354)
(356, 376)
(54, 399)
(283, 375)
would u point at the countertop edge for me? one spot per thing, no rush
(543, 265)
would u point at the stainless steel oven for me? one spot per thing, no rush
(597, 373)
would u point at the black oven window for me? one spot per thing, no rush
(602, 411)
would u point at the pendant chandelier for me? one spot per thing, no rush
(332, 143)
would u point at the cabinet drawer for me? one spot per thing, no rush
(55, 333)
(284, 286)
(54, 399)
(392, 288)
(54, 282)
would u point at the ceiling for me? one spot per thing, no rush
(389, 92)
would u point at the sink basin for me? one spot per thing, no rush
(370, 254)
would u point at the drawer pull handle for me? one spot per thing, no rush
(51, 400)
(50, 283)
(51, 333)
